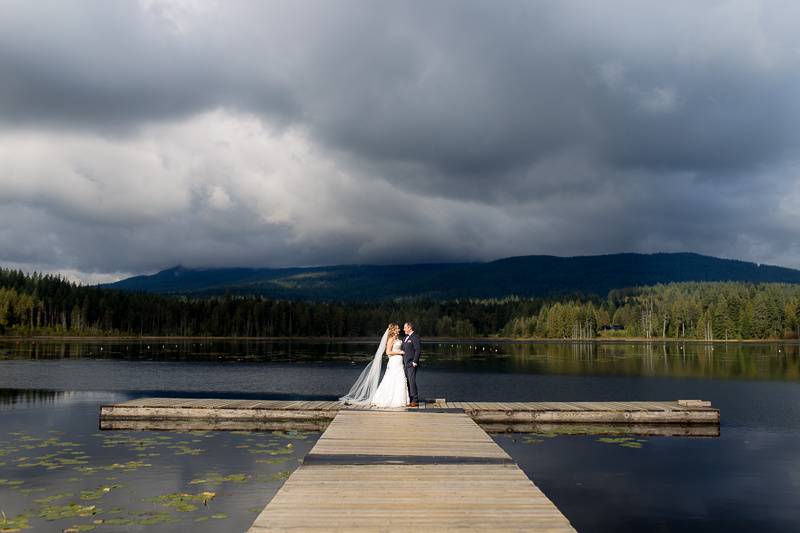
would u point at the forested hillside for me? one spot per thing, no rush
(532, 276)
(46, 304)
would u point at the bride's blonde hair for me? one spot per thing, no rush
(394, 330)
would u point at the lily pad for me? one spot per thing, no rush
(274, 460)
(10, 525)
(186, 450)
(54, 497)
(533, 441)
(80, 528)
(58, 512)
(625, 442)
(269, 478)
(215, 478)
(130, 465)
(97, 493)
(183, 502)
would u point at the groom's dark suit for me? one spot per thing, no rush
(411, 352)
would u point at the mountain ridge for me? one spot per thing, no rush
(525, 276)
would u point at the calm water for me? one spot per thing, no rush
(55, 465)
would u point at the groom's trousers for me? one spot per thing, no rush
(411, 378)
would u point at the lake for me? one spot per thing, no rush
(57, 470)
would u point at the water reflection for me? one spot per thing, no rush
(743, 481)
(25, 398)
(696, 360)
(774, 361)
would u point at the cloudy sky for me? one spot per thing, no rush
(135, 136)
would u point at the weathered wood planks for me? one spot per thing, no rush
(421, 474)
(591, 412)
(275, 414)
(435, 434)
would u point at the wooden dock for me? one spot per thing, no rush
(684, 417)
(433, 468)
(423, 470)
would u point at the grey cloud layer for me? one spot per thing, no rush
(521, 127)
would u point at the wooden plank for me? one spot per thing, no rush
(258, 411)
(452, 496)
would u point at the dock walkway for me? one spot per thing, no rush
(425, 470)
(220, 414)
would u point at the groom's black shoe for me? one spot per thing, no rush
(413, 404)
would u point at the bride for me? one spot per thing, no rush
(392, 390)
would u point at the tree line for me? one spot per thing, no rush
(703, 311)
(46, 304)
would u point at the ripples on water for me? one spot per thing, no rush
(748, 479)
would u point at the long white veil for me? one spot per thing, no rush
(364, 388)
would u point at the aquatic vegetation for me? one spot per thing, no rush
(274, 460)
(54, 497)
(129, 441)
(276, 476)
(32, 443)
(8, 449)
(28, 491)
(97, 493)
(57, 512)
(287, 450)
(216, 516)
(51, 461)
(12, 525)
(82, 527)
(182, 501)
(183, 449)
(291, 434)
(143, 518)
(216, 479)
(109, 471)
(130, 465)
(625, 442)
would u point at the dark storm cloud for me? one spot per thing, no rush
(496, 129)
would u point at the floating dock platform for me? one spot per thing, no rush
(682, 417)
(432, 468)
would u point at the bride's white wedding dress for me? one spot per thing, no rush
(369, 389)
(393, 389)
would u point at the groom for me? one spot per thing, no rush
(411, 351)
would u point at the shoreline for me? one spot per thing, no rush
(460, 340)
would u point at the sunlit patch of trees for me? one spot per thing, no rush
(704, 311)
(50, 305)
